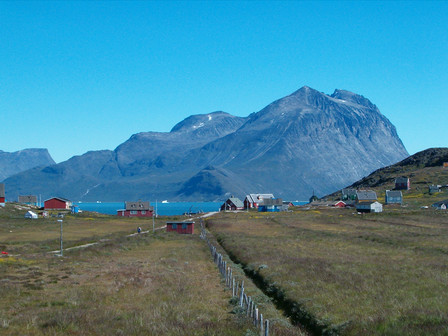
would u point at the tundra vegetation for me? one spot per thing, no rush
(338, 272)
(146, 284)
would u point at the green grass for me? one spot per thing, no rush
(372, 274)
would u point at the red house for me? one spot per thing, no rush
(2, 194)
(57, 203)
(180, 227)
(136, 209)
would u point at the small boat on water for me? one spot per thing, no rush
(165, 201)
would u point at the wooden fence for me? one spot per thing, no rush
(237, 288)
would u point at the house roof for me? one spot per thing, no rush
(366, 195)
(257, 198)
(2, 190)
(394, 193)
(237, 202)
(272, 201)
(59, 198)
(139, 205)
(368, 203)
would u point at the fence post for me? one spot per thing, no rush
(266, 328)
(261, 325)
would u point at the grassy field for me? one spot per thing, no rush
(336, 271)
(148, 284)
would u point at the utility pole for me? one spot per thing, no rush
(60, 221)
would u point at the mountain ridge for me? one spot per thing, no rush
(302, 142)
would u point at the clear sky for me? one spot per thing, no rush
(80, 76)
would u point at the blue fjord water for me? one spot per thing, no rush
(163, 209)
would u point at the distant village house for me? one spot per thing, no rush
(28, 199)
(369, 207)
(394, 197)
(366, 201)
(339, 204)
(402, 183)
(232, 204)
(136, 209)
(2, 194)
(180, 227)
(348, 194)
(57, 203)
(271, 205)
(253, 200)
(366, 196)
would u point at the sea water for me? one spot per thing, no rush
(163, 209)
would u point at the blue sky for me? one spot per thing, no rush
(80, 76)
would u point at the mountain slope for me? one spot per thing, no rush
(307, 141)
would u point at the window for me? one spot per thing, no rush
(174, 226)
(184, 226)
(143, 212)
(133, 212)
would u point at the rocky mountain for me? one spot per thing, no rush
(307, 141)
(15, 162)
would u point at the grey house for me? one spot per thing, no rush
(28, 199)
(232, 203)
(394, 197)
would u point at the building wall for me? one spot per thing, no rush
(135, 213)
(180, 228)
(56, 204)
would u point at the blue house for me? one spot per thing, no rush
(270, 205)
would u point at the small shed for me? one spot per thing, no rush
(442, 205)
(369, 207)
(434, 189)
(402, 183)
(339, 204)
(57, 203)
(180, 227)
(31, 215)
(232, 203)
(394, 197)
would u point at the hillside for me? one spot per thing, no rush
(424, 168)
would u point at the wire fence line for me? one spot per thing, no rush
(237, 288)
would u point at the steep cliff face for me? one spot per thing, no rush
(303, 142)
(16, 162)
